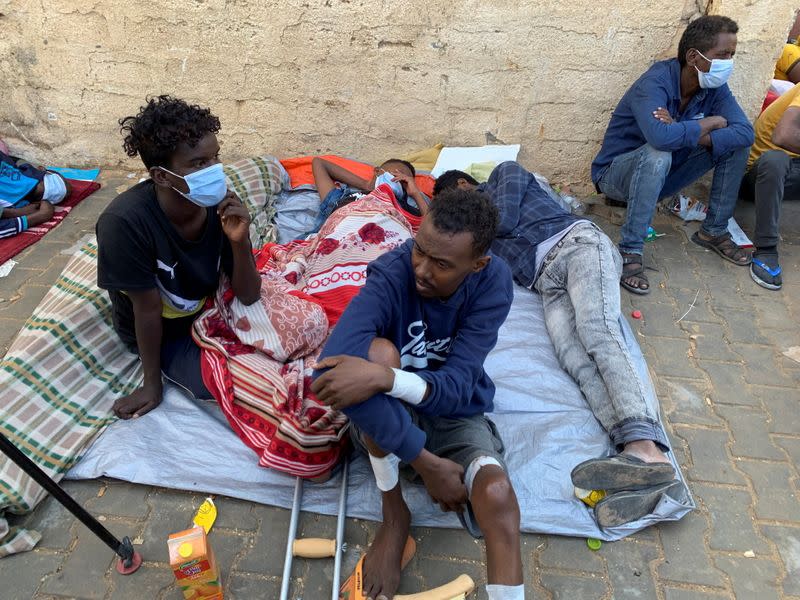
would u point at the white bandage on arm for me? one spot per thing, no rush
(505, 592)
(387, 471)
(474, 467)
(408, 387)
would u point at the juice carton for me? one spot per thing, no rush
(194, 565)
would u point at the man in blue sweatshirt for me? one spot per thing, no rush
(575, 268)
(405, 364)
(676, 122)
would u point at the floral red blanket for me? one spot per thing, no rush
(258, 359)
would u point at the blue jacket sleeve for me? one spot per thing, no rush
(739, 132)
(646, 97)
(451, 386)
(383, 418)
(506, 187)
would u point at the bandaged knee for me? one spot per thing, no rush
(505, 592)
(387, 471)
(474, 467)
(54, 188)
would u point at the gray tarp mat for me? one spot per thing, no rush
(542, 416)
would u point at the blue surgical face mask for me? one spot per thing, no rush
(386, 177)
(717, 75)
(207, 187)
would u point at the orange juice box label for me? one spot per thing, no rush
(194, 569)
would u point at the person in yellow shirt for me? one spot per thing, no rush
(788, 66)
(773, 175)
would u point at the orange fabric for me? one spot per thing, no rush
(299, 170)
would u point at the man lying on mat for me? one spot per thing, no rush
(161, 245)
(337, 186)
(405, 364)
(27, 194)
(575, 267)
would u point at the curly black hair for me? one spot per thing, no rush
(449, 179)
(400, 161)
(701, 34)
(162, 124)
(456, 210)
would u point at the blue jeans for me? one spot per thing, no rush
(579, 285)
(180, 364)
(645, 175)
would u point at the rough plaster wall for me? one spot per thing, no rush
(358, 77)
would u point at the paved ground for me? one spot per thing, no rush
(729, 397)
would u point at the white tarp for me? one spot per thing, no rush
(540, 412)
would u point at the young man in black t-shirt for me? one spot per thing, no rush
(162, 244)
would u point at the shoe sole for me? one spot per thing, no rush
(613, 474)
(628, 506)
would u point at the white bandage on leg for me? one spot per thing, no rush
(54, 188)
(408, 387)
(505, 592)
(387, 471)
(474, 467)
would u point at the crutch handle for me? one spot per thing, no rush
(458, 588)
(314, 548)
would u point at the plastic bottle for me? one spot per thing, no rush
(573, 205)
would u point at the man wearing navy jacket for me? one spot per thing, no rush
(677, 122)
(405, 364)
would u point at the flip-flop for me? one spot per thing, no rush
(353, 587)
(469, 522)
(620, 472)
(631, 505)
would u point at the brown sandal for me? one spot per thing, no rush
(725, 247)
(635, 272)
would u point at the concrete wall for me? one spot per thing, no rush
(363, 78)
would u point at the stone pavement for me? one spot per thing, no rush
(729, 397)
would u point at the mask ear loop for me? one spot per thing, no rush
(179, 177)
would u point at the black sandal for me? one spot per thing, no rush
(725, 247)
(638, 273)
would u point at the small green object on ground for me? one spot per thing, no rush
(594, 544)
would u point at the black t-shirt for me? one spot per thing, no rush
(139, 249)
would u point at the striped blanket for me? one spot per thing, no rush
(58, 382)
(258, 359)
(66, 368)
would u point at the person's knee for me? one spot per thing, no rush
(659, 162)
(384, 352)
(773, 163)
(493, 495)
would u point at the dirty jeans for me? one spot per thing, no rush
(579, 285)
(645, 175)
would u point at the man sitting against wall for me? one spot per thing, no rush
(773, 176)
(675, 123)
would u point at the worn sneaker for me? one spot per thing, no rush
(766, 271)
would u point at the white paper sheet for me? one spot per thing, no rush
(461, 157)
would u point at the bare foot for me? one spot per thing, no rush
(645, 450)
(382, 564)
(136, 404)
